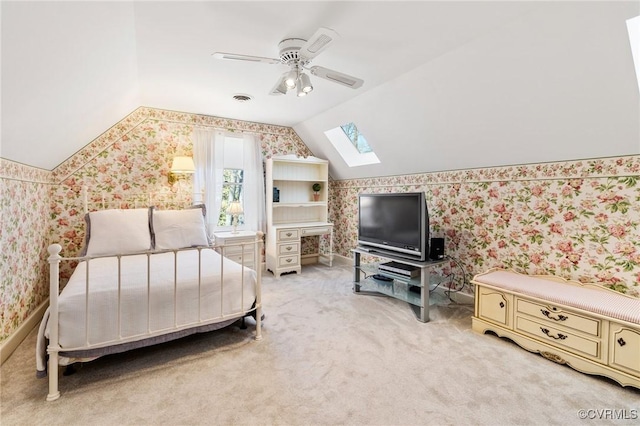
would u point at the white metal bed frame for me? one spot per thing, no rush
(53, 348)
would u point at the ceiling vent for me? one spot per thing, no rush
(242, 98)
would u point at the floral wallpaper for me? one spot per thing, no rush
(121, 168)
(24, 223)
(579, 220)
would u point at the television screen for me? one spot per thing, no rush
(395, 222)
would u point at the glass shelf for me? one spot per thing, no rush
(372, 268)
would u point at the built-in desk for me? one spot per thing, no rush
(285, 239)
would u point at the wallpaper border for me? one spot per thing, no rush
(575, 169)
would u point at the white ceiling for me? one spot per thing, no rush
(448, 84)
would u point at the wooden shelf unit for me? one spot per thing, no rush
(297, 213)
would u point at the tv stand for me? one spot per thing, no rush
(414, 291)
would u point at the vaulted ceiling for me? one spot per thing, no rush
(448, 84)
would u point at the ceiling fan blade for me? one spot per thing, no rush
(319, 41)
(245, 58)
(280, 88)
(336, 77)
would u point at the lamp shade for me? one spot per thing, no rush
(235, 208)
(183, 165)
(305, 83)
(290, 79)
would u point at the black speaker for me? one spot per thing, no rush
(436, 251)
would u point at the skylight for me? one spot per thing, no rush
(356, 138)
(351, 145)
(633, 27)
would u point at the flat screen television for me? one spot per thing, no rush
(395, 224)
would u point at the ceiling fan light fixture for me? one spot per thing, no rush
(305, 83)
(301, 92)
(290, 79)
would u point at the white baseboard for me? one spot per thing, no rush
(461, 298)
(13, 341)
(342, 260)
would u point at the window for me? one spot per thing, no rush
(633, 27)
(229, 168)
(231, 191)
(351, 145)
(232, 179)
(356, 138)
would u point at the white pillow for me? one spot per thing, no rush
(118, 231)
(175, 229)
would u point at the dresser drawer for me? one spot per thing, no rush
(233, 249)
(288, 235)
(554, 316)
(316, 230)
(558, 337)
(288, 248)
(285, 261)
(248, 259)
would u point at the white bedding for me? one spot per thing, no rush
(143, 316)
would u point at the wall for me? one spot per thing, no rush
(576, 219)
(579, 219)
(24, 225)
(556, 84)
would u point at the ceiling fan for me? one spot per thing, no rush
(297, 53)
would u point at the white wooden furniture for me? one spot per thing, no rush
(297, 212)
(414, 291)
(588, 327)
(238, 247)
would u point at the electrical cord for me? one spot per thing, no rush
(464, 280)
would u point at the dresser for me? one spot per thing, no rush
(604, 340)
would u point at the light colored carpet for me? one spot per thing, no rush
(328, 356)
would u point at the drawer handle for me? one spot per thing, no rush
(621, 342)
(289, 248)
(289, 234)
(502, 304)
(560, 336)
(289, 260)
(560, 317)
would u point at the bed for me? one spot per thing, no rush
(145, 276)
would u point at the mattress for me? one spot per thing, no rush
(151, 304)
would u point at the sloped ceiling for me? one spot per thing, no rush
(448, 85)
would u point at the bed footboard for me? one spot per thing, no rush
(53, 348)
(235, 297)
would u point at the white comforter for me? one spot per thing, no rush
(147, 306)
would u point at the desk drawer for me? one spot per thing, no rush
(285, 261)
(288, 235)
(558, 337)
(316, 230)
(555, 316)
(288, 248)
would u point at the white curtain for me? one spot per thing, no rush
(208, 156)
(254, 202)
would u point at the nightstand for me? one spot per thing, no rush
(235, 246)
